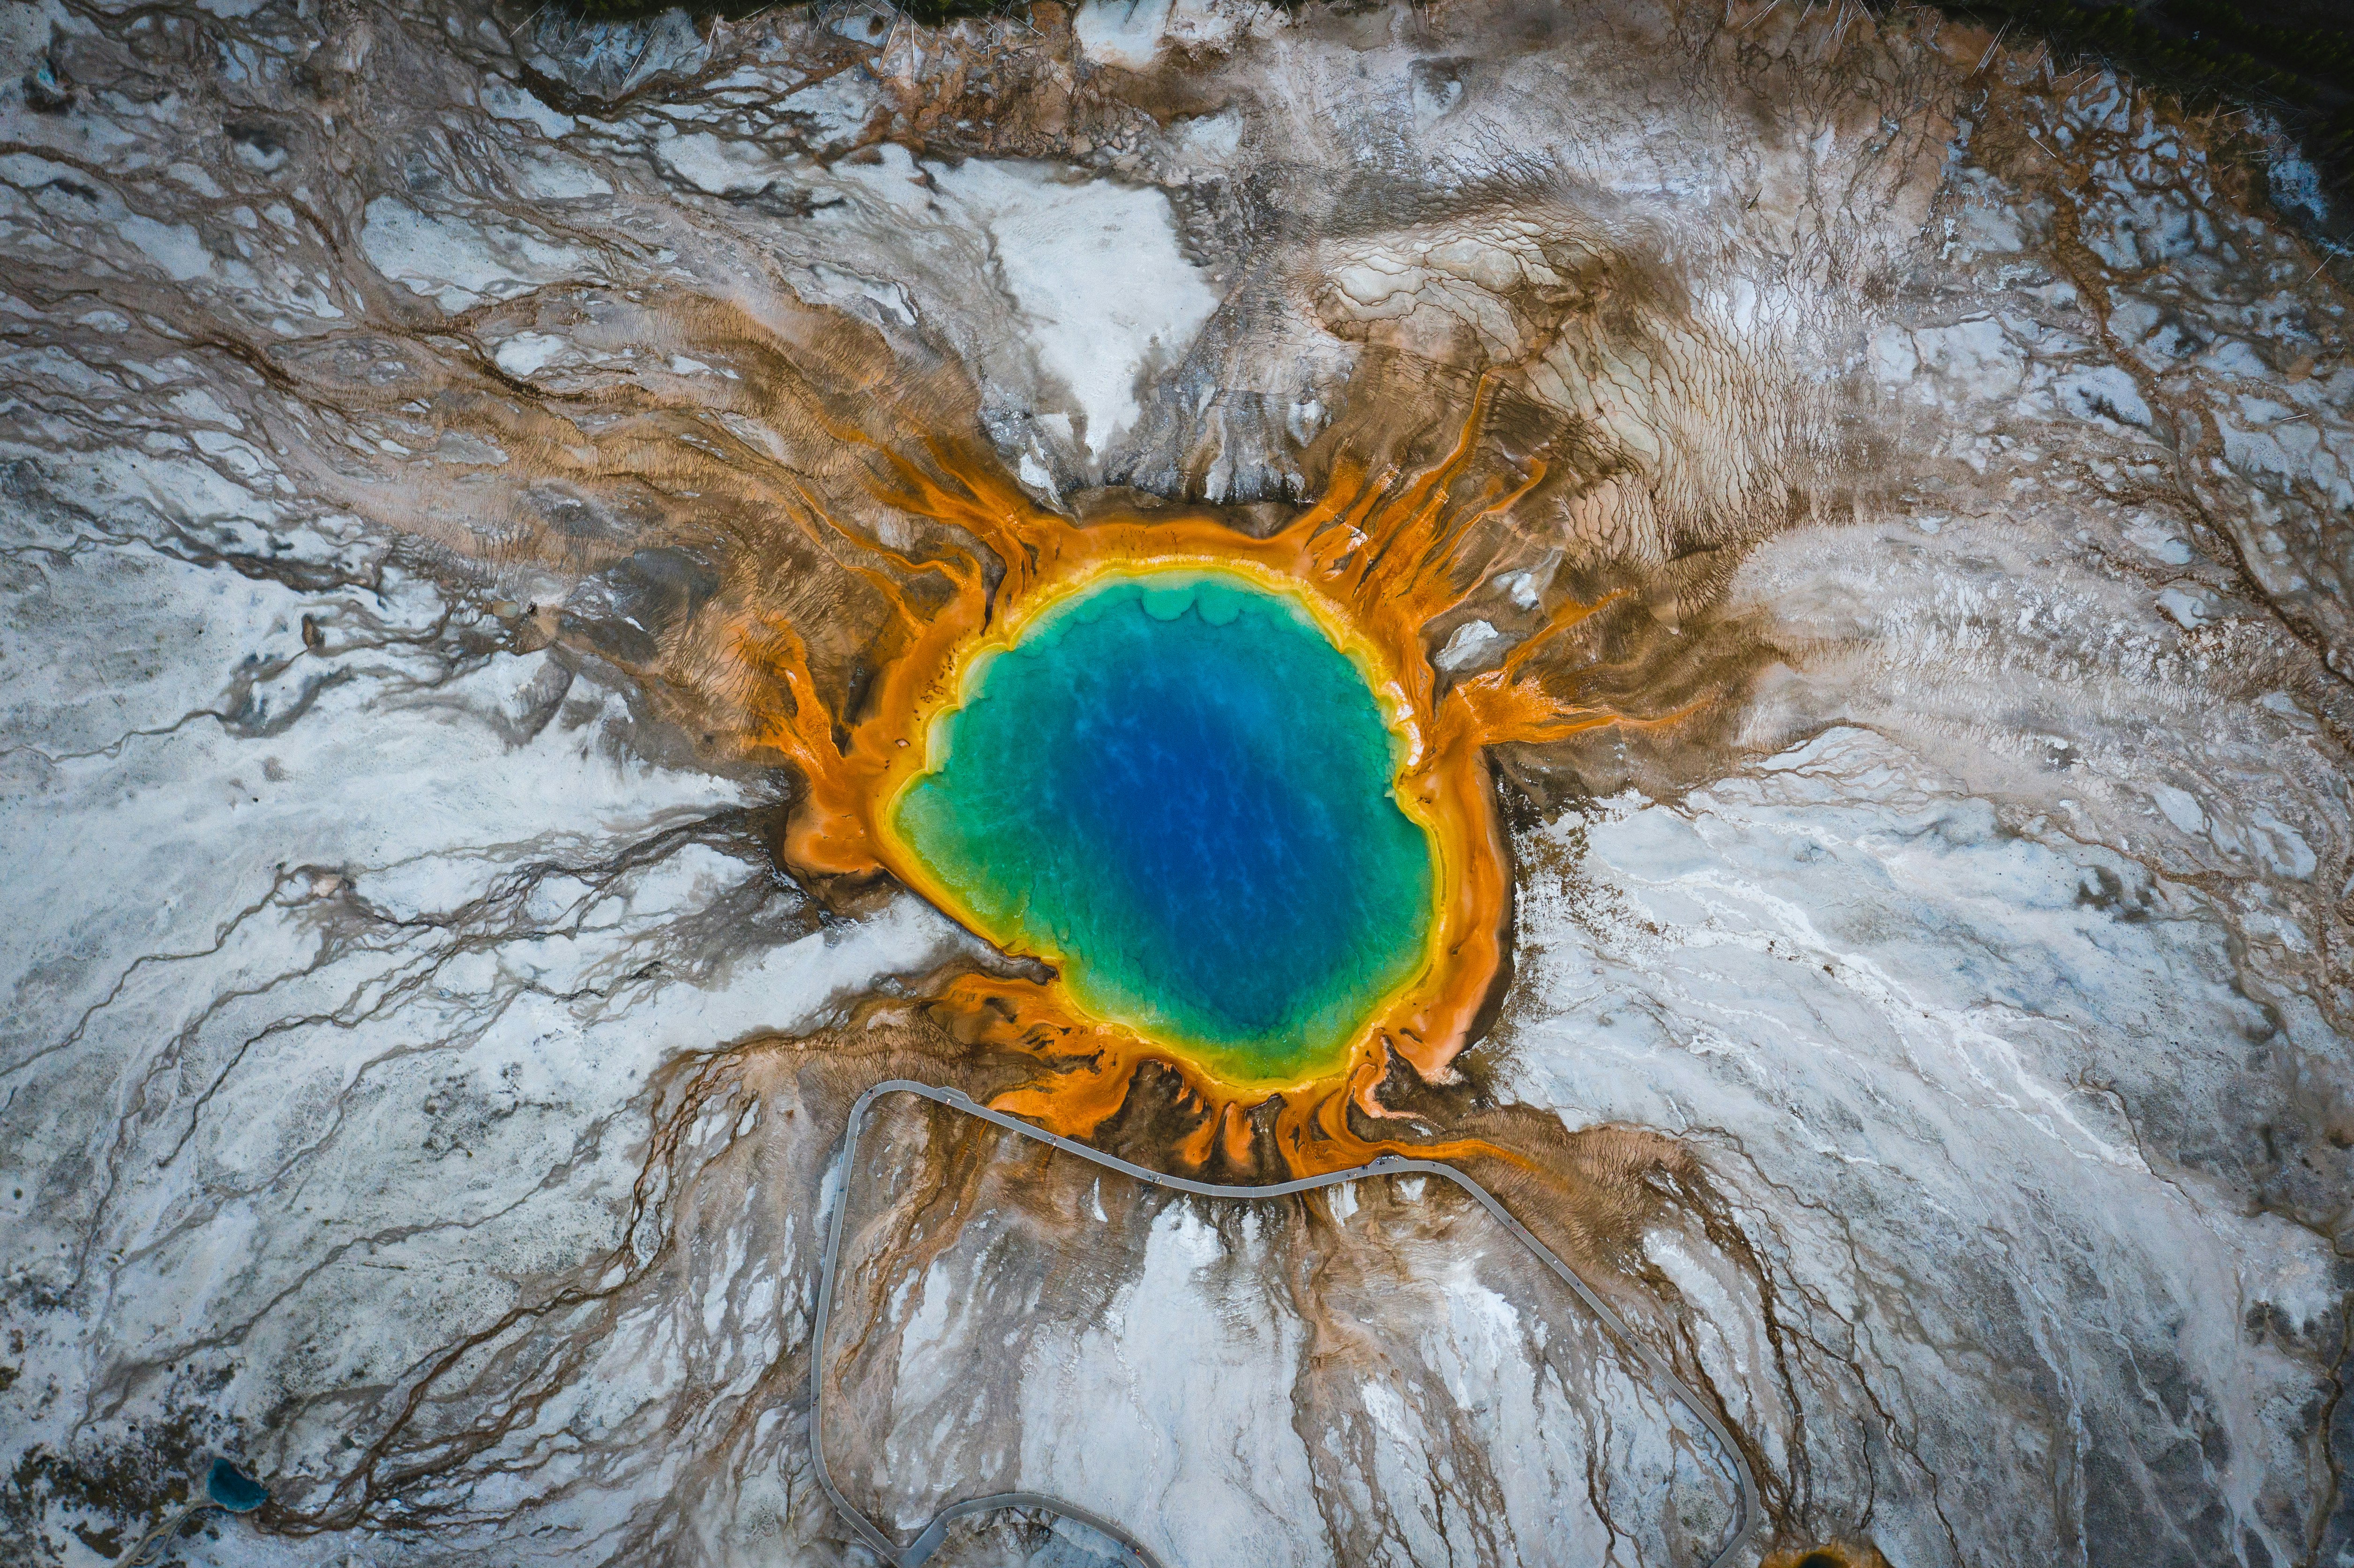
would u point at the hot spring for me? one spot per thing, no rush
(1179, 791)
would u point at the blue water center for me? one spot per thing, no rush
(1177, 790)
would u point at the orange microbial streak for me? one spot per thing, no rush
(1373, 561)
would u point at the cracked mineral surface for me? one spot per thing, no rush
(424, 1058)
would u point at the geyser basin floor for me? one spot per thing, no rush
(1176, 787)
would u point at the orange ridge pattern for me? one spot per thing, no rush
(1374, 561)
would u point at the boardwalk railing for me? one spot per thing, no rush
(929, 1540)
